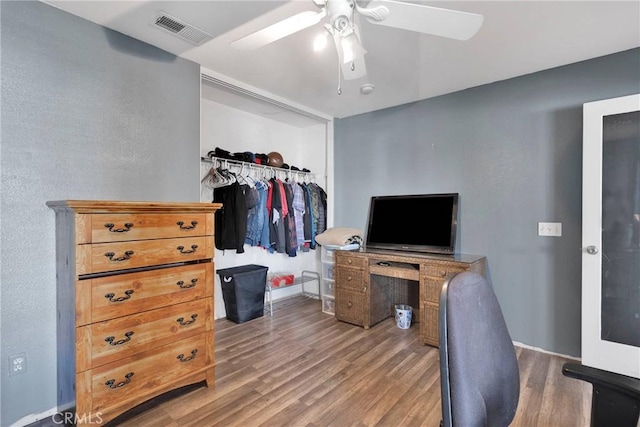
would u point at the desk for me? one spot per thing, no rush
(368, 285)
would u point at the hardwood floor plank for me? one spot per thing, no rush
(219, 411)
(303, 368)
(558, 398)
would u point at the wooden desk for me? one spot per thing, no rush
(368, 285)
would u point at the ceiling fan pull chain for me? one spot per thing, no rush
(339, 78)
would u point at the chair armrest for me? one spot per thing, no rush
(619, 383)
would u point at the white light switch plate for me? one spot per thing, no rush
(550, 229)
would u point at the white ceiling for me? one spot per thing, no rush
(516, 38)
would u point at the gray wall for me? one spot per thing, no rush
(513, 150)
(87, 113)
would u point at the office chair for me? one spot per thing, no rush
(479, 376)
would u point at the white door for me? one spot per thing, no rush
(611, 235)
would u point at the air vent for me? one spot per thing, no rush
(181, 29)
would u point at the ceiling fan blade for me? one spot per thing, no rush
(350, 70)
(279, 30)
(428, 20)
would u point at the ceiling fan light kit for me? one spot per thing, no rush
(351, 47)
(342, 26)
(320, 42)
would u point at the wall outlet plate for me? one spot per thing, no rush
(18, 364)
(553, 229)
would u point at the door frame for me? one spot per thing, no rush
(610, 356)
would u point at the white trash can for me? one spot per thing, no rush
(403, 316)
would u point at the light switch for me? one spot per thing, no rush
(550, 229)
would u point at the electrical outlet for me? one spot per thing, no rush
(17, 364)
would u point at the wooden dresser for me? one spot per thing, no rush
(368, 285)
(134, 302)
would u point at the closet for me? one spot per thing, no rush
(278, 210)
(241, 118)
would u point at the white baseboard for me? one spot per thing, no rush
(32, 418)
(541, 350)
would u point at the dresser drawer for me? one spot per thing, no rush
(125, 336)
(104, 257)
(121, 227)
(114, 383)
(123, 294)
(350, 278)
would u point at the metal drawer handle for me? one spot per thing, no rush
(443, 273)
(183, 322)
(349, 261)
(111, 255)
(127, 226)
(181, 357)
(112, 383)
(349, 278)
(187, 227)
(188, 251)
(349, 304)
(127, 294)
(119, 342)
(183, 286)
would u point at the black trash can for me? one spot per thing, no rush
(243, 290)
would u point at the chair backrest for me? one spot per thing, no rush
(479, 376)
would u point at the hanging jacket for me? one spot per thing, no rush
(254, 217)
(231, 219)
(291, 245)
(276, 222)
(309, 219)
(298, 213)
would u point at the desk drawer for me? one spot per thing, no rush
(429, 324)
(434, 278)
(104, 257)
(349, 260)
(440, 271)
(114, 383)
(125, 336)
(351, 279)
(349, 306)
(122, 227)
(433, 288)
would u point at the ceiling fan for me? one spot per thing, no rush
(346, 35)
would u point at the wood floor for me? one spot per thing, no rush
(304, 368)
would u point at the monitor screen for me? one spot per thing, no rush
(420, 223)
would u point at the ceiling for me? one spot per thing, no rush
(516, 38)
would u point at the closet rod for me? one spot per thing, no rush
(213, 159)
